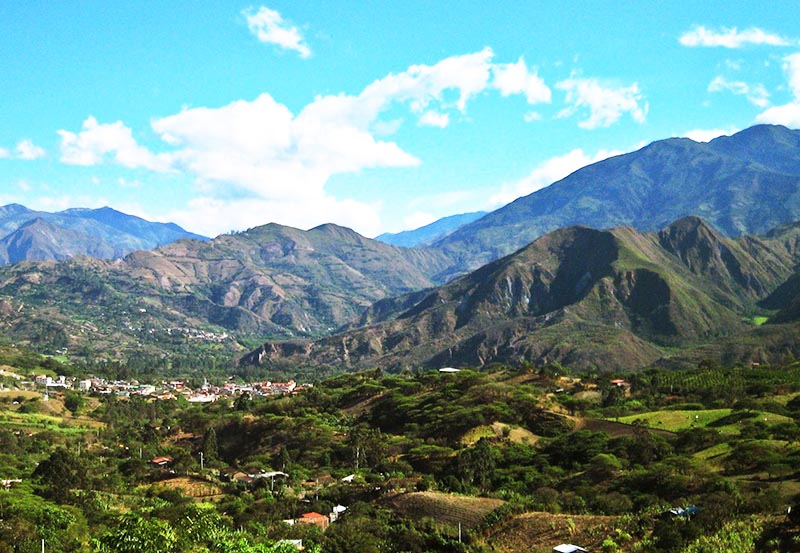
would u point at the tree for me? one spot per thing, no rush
(136, 534)
(476, 464)
(59, 474)
(210, 448)
(73, 401)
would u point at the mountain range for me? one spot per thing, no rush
(104, 233)
(428, 234)
(745, 183)
(657, 256)
(268, 281)
(591, 299)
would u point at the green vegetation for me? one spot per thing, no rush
(500, 456)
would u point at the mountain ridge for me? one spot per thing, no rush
(104, 233)
(748, 183)
(591, 299)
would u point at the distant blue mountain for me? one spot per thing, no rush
(428, 234)
(28, 235)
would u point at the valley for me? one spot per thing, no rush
(622, 383)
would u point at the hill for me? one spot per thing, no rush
(590, 299)
(105, 233)
(745, 183)
(270, 280)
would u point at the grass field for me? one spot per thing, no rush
(35, 422)
(674, 421)
(447, 509)
(515, 434)
(540, 532)
(193, 487)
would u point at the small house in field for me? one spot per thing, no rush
(321, 521)
(569, 548)
(161, 461)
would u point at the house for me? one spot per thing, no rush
(568, 548)
(338, 510)
(161, 461)
(317, 519)
(687, 512)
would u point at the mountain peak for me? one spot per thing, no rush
(13, 209)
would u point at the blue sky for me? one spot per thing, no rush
(380, 116)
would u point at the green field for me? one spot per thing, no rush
(37, 422)
(684, 419)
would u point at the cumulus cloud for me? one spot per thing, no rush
(418, 219)
(787, 114)
(26, 149)
(268, 26)
(420, 86)
(546, 173)
(433, 118)
(53, 203)
(756, 94)
(516, 78)
(264, 151)
(707, 135)
(212, 216)
(256, 161)
(606, 104)
(732, 38)
(97, 142)
(4, 153)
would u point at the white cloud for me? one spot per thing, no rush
(787, 114)
(261, 152)
(732, 38)
(24, 185)
(213, 216)
(423, 85)
(433, 118)
(546, 173)
(26, 149)
(4, 153)
(417, 220)
(96, 141)
(515, 78)
(756, 94)
(54, 203)
(264, 151)
(606, 104)
(707, 135)
(255, 161)
(268, 26)
(532, 116)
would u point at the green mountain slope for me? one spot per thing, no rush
(615, 299)
(746, 183)
(270, 281)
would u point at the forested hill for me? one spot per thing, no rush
(740, 184)
(268, 281)
(591, 299)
